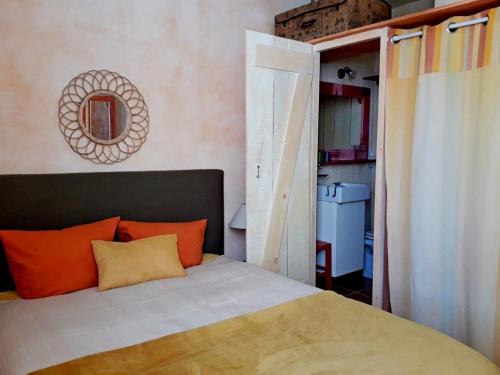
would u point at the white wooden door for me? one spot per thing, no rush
(282, 90)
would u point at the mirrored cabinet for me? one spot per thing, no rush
(344, 123)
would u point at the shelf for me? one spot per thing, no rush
(432, 16)
(374, 78)
(350, 50)
(342, 162)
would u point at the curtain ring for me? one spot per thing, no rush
(451, 28)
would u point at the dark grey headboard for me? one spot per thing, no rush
(54, 201)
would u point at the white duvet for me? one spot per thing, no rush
(35, 334)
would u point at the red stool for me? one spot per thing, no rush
(326, 270)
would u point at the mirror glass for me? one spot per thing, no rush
(104, 117)
(340, 122)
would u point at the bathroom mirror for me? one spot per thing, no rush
(103, 116)
(341, 120)
(344, 113)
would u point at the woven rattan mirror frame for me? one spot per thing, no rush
(78, 91)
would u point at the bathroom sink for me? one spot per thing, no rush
(343, 192)
(341, 222)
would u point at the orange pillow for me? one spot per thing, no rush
(190, 236)
(52, 262)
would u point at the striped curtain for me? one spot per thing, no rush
(443, 179)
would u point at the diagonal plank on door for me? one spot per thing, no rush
(286, 167)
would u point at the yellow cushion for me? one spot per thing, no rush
(8, 295)
(122, 264)
(209, 258)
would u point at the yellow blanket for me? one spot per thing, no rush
(320, 334)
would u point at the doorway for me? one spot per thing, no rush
(348, 116)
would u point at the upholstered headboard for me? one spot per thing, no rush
(54, 201)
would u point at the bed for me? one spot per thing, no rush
(224, 317)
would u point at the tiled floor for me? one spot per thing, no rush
(352, 285)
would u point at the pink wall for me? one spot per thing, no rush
(185, 56)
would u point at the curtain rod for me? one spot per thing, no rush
(452, 27)
(457, 25)
(398, 38)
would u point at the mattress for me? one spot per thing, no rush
(36, 334)
(264, 323)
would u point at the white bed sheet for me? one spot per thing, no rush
(35, 334)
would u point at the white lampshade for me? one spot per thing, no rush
(239, 220)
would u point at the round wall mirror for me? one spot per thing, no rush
(103, 116)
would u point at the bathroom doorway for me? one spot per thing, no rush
(347, 134)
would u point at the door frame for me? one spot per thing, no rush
(379, 239)
(314, 168)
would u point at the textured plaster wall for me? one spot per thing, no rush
(185, 56)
